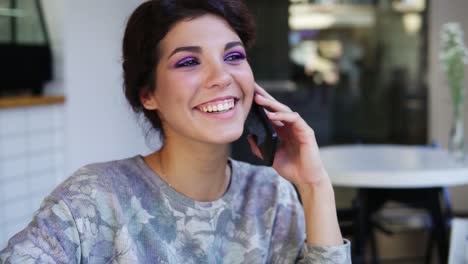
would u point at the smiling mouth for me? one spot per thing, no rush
(218, 107)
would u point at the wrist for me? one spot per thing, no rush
(318, 201)
(322, 186)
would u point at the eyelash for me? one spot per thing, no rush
(187, 62)
(191, 61)
(238, 56)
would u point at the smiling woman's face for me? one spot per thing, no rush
(204, 84)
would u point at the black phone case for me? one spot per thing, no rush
(258, 125)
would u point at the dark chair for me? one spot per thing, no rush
(434, 201)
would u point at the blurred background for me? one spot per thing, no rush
(358, 71)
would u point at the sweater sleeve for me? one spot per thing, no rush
(327, 254)
(288, 235)
(51, 237)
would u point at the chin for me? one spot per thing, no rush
(226, 137)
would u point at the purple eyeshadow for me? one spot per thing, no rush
(184, 60)
(237, 53)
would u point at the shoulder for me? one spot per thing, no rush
(264, 180)
(104, 174)
(100, 183)
(109, 169)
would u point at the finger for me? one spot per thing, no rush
(253, 147)
(263, 92)
(277, 123)
(272, 105)
(285, 117)
(300, 127)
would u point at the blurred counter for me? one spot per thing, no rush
(25, 101)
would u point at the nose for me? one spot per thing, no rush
(217, 75)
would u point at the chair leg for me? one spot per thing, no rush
(448, 212)
(373, 244)
(360, 228)
(439, 226)
(428, 256)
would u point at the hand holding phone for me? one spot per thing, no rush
(266, 139)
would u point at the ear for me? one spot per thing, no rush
(148, 100)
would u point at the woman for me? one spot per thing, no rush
(185, 69)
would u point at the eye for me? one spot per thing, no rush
(187, 62)
(234, 56)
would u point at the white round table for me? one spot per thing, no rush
(392, 166)
(414, 175)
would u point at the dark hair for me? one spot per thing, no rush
(148, 25)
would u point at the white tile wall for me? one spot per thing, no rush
(31, 162)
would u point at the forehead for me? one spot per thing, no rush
(206, 30)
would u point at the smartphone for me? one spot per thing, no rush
(258, 125)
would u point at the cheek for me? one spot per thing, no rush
(183, 81)
(175, 91)
(245, 77)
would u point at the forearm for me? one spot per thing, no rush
(318, 201)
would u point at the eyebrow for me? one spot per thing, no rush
(233, 44)
(198, 49)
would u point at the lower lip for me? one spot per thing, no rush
(221, 115)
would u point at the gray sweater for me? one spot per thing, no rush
(121, 212)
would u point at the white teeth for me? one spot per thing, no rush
(224, 106)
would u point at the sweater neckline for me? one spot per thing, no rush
(174, 195)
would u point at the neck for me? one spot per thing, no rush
(199, 172)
